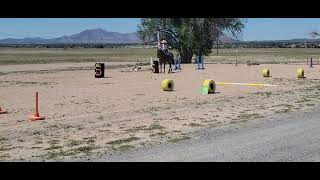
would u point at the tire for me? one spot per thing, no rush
(210, 84)
(167, 85)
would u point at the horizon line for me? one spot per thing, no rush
(48, 37)
(97, 28)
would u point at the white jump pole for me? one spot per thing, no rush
(246, 84)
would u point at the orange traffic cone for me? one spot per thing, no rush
(36, 115)
(2, 111)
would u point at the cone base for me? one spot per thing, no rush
(3, 112)
(36, 118)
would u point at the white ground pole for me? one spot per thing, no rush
(245, 84)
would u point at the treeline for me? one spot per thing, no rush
(258, 44)
(271, 45)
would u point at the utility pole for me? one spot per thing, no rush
(266, 50)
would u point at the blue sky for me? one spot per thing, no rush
(256, 28)
(56, 27)
(280, 28)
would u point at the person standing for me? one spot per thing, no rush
(200, 60)
(177, 62)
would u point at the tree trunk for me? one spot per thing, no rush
(186, 55)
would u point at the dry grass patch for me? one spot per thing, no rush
(124, 140)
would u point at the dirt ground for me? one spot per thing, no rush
(88, 117)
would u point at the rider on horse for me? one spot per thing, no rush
(164, 48)
(164, 56)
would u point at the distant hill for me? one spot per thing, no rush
(87, 36)
(301, 40)
(100, 36)
(95, 36)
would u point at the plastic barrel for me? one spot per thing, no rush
(99, 70)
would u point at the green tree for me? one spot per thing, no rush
(188, 35)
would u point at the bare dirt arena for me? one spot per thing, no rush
(88, 117)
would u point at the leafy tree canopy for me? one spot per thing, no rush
(189, 35)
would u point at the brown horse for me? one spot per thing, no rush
(165, 58)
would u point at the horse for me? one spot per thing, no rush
(163, 58)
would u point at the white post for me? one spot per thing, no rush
(158, 37)
(236, 57)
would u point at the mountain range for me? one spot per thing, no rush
(301, 40)
(100, 36)
(95, 36)
(86, 36)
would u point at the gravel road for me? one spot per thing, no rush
(294, 137)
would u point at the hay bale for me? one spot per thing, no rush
(300, 73)
(210, 84)
(266, 72)
(167, 85)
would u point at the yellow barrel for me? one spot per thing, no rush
(300, 73)
(167, 85)
(211, 84)
(266, 72)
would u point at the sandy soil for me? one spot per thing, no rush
(88, 117)
(27, 68)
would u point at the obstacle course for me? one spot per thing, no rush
(77, 106)
(208, 86)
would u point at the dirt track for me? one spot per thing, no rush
(90, 117)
